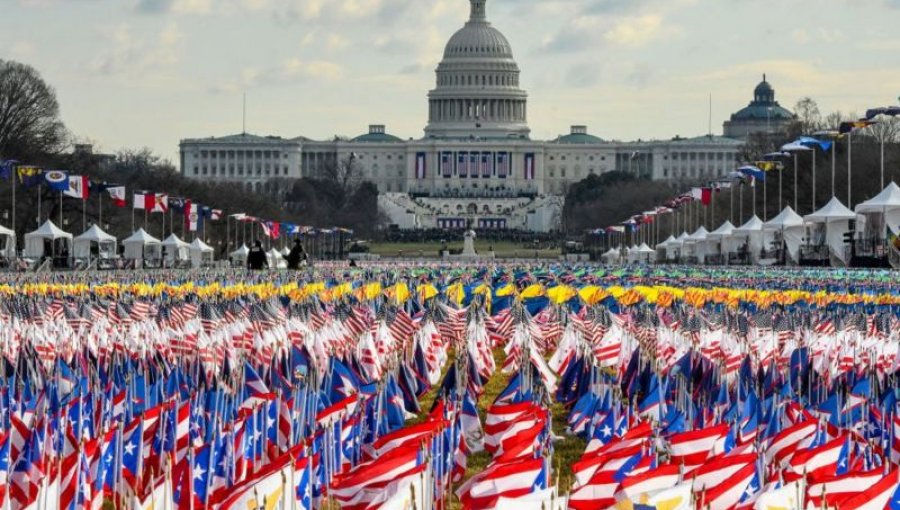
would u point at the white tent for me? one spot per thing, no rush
(791, 227)
(106, 244)
(141, 246)
(47, 233)
(828, 226)
(695, 245)
(239, 256)
(276, 259)
(201, 253)
(662, 249)
(722, 242)
(885, 210)
(751, 235)
(8, 246)
(612, 256)
(645, 253)
(175, 250)
(673, 249)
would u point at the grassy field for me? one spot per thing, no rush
(566, 451)
(503, 249)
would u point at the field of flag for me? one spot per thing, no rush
(411, 386)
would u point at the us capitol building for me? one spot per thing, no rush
(476, 162)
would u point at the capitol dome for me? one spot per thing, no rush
(477, 93)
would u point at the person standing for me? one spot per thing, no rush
(257, 259)
(297, 257)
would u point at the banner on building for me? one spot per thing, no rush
(447, 164)
(420, 165)
(462, 166)
(502, 164)
(529, 167)
(473, 164)
(487, 167)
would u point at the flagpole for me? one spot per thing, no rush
(814, 155)
(12, 182)
(83, 214)
(849, 166)
(833, 164)
(100, 207)
(754, 196)
(60, 209)
(765, 197)
(796, 194)
(39, 204)
(731, 207)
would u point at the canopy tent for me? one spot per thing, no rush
(612, 256)
(662, 249)
(645, 253)
(141, 246)
(95, 236)
(791, 227)
(750, 234)
(201, 253)
(673, 249)
(883, 211)
(828, 226)
(175, 250)
(695, 245)
(276, 259)
(239, 256)
(722, 242)
(7, 243)
(47, 240)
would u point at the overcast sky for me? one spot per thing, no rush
(146, 73)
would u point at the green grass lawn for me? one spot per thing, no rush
(566, 451)
(502, 249)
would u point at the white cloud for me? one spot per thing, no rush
(637, 31)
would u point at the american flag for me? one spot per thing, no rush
(486, 167)
(462, 164)
(473, 164)
(785, 327)
(502, 164)
(447, 164)
(209, 318)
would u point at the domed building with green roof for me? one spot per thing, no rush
(475, 163)
(763, 115)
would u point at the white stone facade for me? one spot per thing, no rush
(475, 163)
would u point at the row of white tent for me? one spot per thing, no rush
(51, 241)
(823, 228)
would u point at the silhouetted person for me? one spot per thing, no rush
(257, 259)
(297, 257)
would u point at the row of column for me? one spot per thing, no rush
(458, 110)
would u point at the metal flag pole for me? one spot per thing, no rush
(833, 165)
(796, 190)
(60, 209)
(849, 166)
(100, 208)
(12, 184)
(83, 214)
(882, 158)
(814, 156)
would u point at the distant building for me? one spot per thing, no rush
(476, 162)
(85, 152)
(763, 115)
(253, 161)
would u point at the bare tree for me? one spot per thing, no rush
(809, 118)
(346, 173)
(29, 113)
